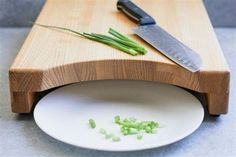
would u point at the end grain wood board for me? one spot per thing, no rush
(51, 58)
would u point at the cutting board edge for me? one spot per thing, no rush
(24, 83)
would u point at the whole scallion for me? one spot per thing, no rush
(118, 41)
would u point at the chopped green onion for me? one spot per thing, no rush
(130, 126)
(148, 129)
(109, 135)
(92, 123)
(139, 136)
(132, 119)
(154, 131)
(133, 131)
(117, 119)
(124, 130)
(103, 131)
(116, 139)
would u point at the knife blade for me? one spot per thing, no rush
(160, 39)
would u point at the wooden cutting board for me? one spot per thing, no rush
(50, 58)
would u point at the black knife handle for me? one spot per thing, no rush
(134, 12)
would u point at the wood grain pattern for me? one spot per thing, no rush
(51, 58)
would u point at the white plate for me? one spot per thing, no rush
(64, 113)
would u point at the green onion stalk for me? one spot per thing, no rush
(117, 40)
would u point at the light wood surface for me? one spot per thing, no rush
(50, 58)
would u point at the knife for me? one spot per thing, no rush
(160, 39)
